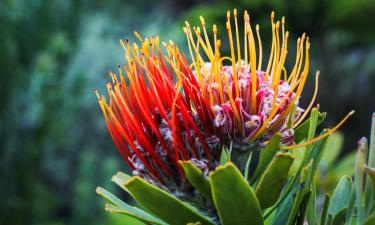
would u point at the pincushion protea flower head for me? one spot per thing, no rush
(163, 109)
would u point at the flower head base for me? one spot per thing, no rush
(163, 110)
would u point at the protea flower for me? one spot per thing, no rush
(163, 109)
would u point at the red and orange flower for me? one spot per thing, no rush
(163, 109)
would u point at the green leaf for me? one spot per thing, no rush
(371, 174)
(266, 156)
(271, 183)
(247, 166)
(340, 217)
(303, 208)
(359, 179)
(234, 199)
(311, 206)
(333, 147)
(164, 205)
(304, 183)
(298, 155)
(225, 156)
(284, 209)
(316, 153)
(120, 179)
(370, 220)
(370, 186)
(371, 154)
(341, 196)
(197, 178)
(127, 209)
(301, 131)
(323, 218)
(125, 215)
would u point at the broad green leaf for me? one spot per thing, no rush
(197, 178)
(266, 155)
(302, 130)
(304, 183)
(273, 179)
(127, 209)
(341, 196)
(164, 205)
(234, 199)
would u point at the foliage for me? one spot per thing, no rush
(274, 197)
(54, 150)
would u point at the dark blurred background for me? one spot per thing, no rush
(54, 147)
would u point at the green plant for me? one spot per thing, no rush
(205, 153)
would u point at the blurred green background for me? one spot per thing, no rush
(54, 147)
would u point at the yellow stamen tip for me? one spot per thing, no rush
(202, 20)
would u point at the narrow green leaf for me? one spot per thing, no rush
(311, 206)
(371, 154)
(371, 174)
(341, 196)
(304, 184)
(164, 205)
(323, 218)
(234, 199)
(126, 216)
(120, 179)
(303, 209)
(266, 155)
(225, 156)
(329, 220)
(359, 179)
(333, 147)
(312, 127)
(127, 209)
(301, 131)
(316, 153)
(273, 179)
(197, 178)
(247, 166)
(340, 217)
(370, 220)
(370, 187)
(284, 209)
